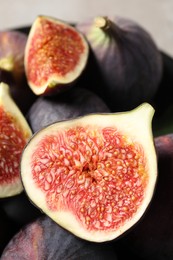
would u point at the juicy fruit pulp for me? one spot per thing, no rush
(93, 175)
(55, 54)
(14, 133)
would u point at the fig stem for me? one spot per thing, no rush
(105, 24)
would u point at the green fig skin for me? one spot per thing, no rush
(152, 237)
(43, 239)
(72, 103)
(128, 59)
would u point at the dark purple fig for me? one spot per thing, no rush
(12, 46)
(70, 104)
(128, 59)
(152, 237)
(43, 239)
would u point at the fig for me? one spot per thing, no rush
(55, 55)
(12, 46)
(70, 104)
(14, 134)
(43, 239)
(93, 175)
(128, 59)
(152, 237)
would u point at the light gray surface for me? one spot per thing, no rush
(156, 16)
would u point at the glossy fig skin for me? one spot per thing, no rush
(128, 60)
(43, 239)
(70, 104)
(152, 237)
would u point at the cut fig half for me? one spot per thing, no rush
(55, 55)
(93, 175)
(14, 134)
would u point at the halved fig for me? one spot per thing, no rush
(94, 175)
(55, 55)
(14, 134)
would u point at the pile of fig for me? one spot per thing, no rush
(82, 173)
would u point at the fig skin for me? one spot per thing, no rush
(72, 103)
(55, 56)
(43, 239)
(127, 58)
(152, 237)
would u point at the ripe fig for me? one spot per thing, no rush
(14, 134)
(43, 239)
(12, 46)
(70, 104)
(152, 237)
(93, 175)
(128, 59)
(55, 55)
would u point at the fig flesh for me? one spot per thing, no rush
(55, 55)
(43, 239)
(72, 103)
(14, 134)
(128, 59)
(94, 175)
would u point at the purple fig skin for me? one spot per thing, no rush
(43, 239)
(152, 237)
(128, 60)
(70, 104)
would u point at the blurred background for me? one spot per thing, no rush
(156, 16)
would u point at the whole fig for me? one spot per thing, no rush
(128, 60)
(70, 104)
(43, 239)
